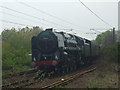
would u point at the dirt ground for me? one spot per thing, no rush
(105, 76)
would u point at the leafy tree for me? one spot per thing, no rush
(109, 49)
(16, 45)
(118, 36)
(106, 38)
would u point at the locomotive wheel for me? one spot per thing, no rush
(71, 69)
(74, 67)
(58, 72)
(67, 70)
(63, 71)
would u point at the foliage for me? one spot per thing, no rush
(111, 51)
(16, 45)
(118, 36)
(106, 38)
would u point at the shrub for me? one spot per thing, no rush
(16, 45)
(111, 51)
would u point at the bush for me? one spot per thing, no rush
(16, 45)
(16, 58)
(111, 51)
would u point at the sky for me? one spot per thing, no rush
(62, 15)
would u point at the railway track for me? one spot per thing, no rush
(9, 75)
(18, 77)
(67, 80)
(38, 75)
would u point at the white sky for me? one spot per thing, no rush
(70, 10)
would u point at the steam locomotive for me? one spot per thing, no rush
(61, 52)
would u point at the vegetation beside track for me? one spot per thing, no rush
(111, 52)
(16, 45)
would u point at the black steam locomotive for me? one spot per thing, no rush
(61, 52)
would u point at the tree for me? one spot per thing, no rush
(16, 45)
(106, 38)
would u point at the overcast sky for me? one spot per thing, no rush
(73, 14)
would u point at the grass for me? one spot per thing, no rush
(60, 87)
(92, 87)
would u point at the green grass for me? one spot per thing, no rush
(60, 87)
(92, 87)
